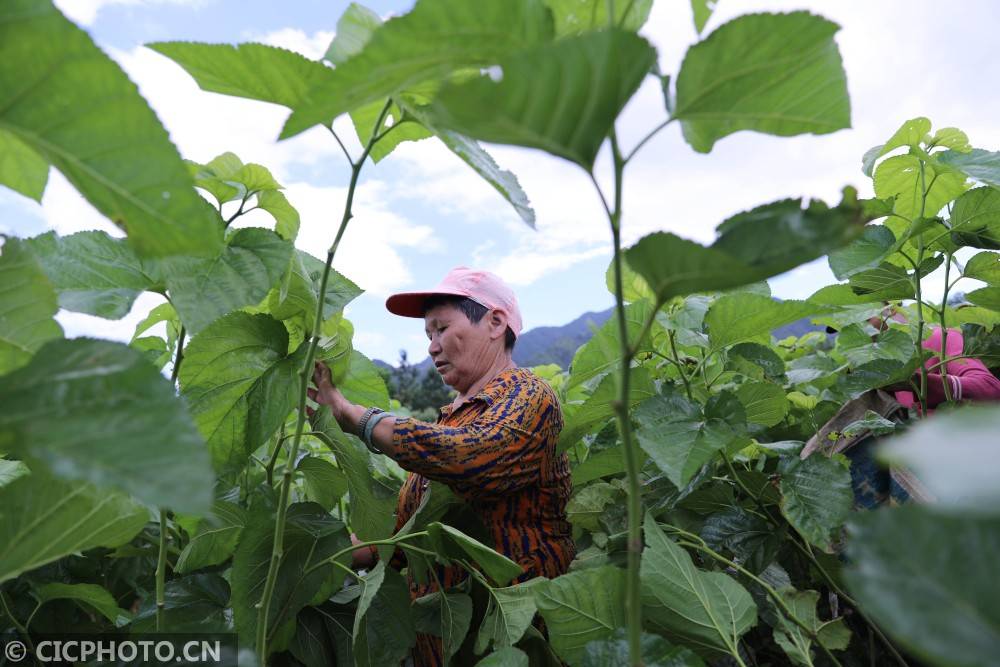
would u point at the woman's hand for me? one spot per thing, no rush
(327, 394)
(362, 558)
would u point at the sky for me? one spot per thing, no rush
(421, 211)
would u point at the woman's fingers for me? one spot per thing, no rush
(311, 393)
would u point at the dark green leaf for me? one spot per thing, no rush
(89, 595)
(775, 73)
(27, 306)
(561, 97)
(765, 403)
(311, 536)
(240, 383)
(286, 217)
(22, 169)
(887, 282)
(816, 497)
(445, 615)
(434, 39)
(509, 612)
(298, 293)
(708, 610)
(92, 272)
(324, 482)
(864, 253)
(76, 108)
(197, 603)
(923, 579)
(587, 505)
(97, 411)
(43, 519)
(602, 353)
(984, 266)
(987, 297)
(581, 607)
(216, 538)
(505, 657)
(597, 408)
(11, 470)
(656, 652)
(794, 641)
(383, 626)
(453, 543)
(203, 290)
(740, 317)
(749, 538)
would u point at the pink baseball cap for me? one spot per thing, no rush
(483, 287)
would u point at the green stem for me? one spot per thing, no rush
(17, 624)
(677, 362)
(161, 559)
(305, 373)
(269, 468)
(945, 384)
(397, 541)
(922, 394)
(633, 601)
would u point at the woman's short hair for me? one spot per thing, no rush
(474, 311)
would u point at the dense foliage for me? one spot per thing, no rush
(207, 501)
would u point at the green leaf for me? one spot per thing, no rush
(816, 497)
(404, 128)
(505, 657)
(764, 402)
(11, 470)
(911, 133)
(479, 161)
(573, 17)
(324, 483)
(708, 610)
(197, 603)
(779, 236)
(983, 166)
(286, 217)
(740, 317)
(383, 625)
(561, 97)
(216, 538)
(27, 306)
(887, 282)
(602, 353)
(253, 71)
(748, 537)
(98, 411)
(954, 475)
(656, 652)
(581, 607)
(445, 615)
(436, 38)
(953, 138)
(864, 253)
(975, 217)
(22, 169)
(311, 536)
(702, 10)
(597, 408)
(75, 107)
(455, 544)
(203, 290)
(872, 423)
(354, 28)
(774, 73)
(984, 266)
(987, 297)
(793, 640)
(373, 501)
(240, 383)
(678, 438)
(92, 272)
(899, 177)
(908, 573)
(89, 596)
(509, 612)
(858, 347)
(43, 519)
(587, 505)
(634, 286)
(363, 384)
(298, 293)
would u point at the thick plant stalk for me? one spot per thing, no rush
(305, 373)
(161, 559)
(922, 395)
(633, 590)
(945, 383)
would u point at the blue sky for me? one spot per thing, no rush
(421, 211)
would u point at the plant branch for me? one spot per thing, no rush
(677, 362)
(340, 143)
(652, 133)
(161, 558)
(13, 619)
(305, 373)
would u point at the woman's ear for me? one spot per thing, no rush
(498, 323)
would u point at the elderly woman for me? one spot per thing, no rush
(494, 445)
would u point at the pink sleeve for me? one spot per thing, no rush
(969, 379)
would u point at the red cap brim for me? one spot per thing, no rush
(411, 304)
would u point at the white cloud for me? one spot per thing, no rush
(85, 11)
(311, 46)
(77, 324)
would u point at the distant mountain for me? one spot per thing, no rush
(557, 345)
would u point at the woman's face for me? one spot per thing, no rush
(459, 349)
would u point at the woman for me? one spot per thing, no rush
(494, 445)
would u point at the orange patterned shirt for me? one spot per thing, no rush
(497, 452)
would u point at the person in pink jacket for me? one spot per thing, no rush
(966, 379)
